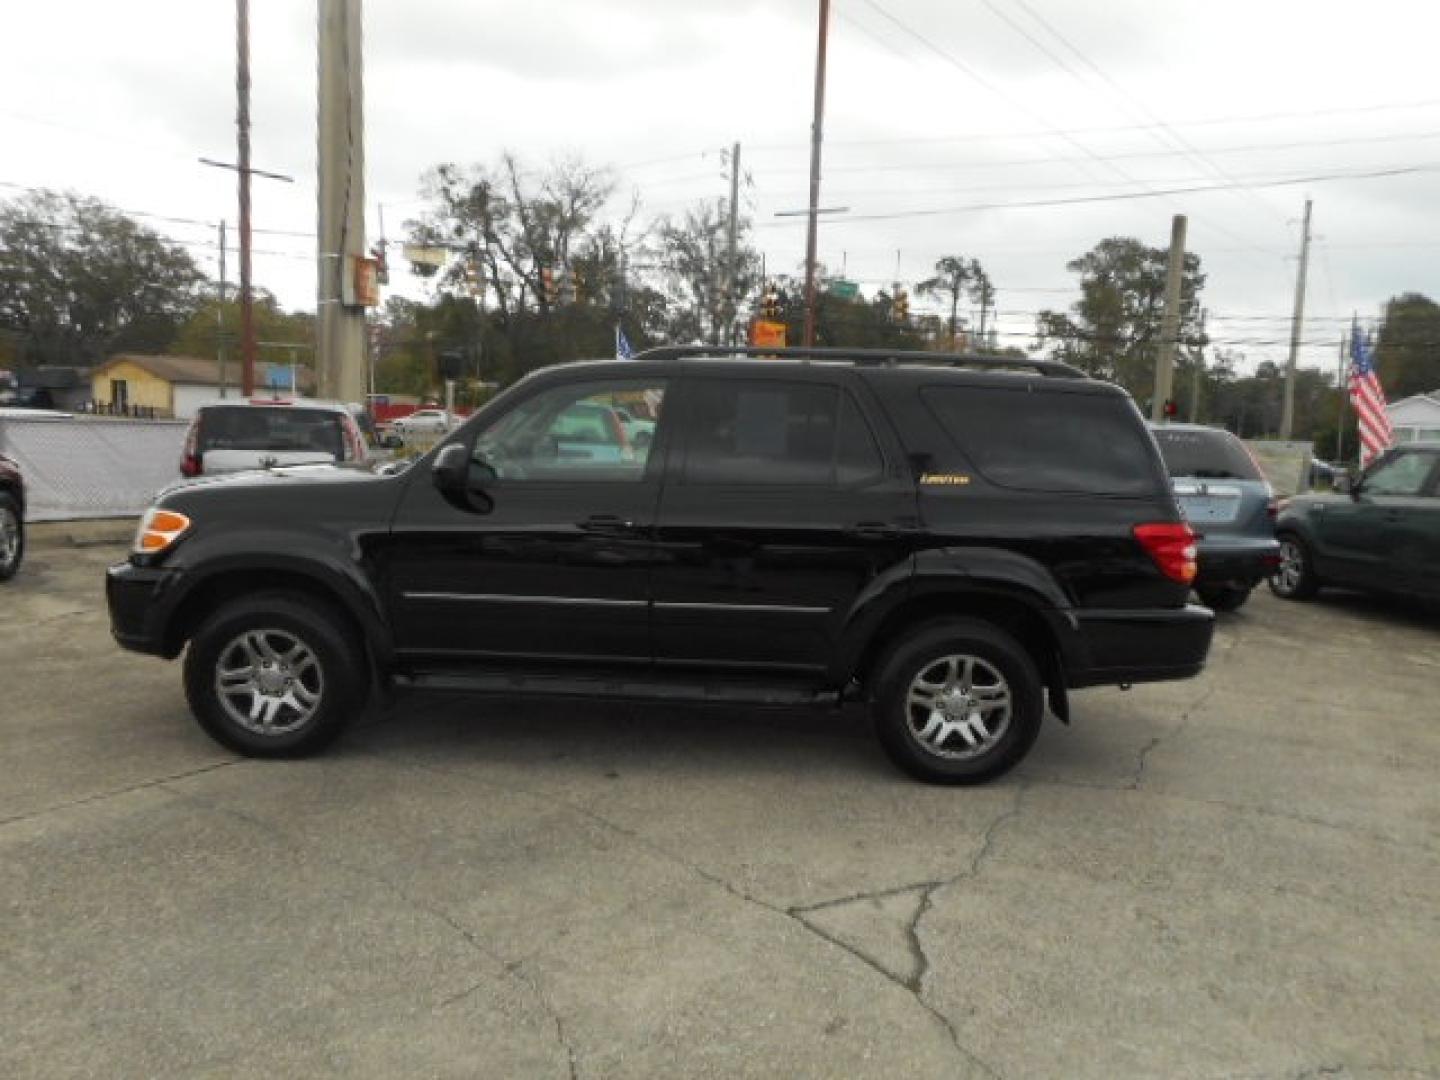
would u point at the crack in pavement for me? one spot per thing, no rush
(30, 815)
(793, 915)
(1340, 1069)
(1180, 725)
(511, 968)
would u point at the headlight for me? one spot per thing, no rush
(159, 530)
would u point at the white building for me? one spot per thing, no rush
(1416, 418)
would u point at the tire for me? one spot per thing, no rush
(1295, 577)
(968, 745)
(12, 536)
(263, 715)
(1224, 597)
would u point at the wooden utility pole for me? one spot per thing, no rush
(1170, 321)
(220, 314)
(731, 299)
(1287, 417)
(340, 318)
(816, 139)
(242, 161)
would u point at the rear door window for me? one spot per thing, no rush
(278, 429)
(1205, 455)
(1048, 441)
(772, 432)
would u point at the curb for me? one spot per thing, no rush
(103, 532)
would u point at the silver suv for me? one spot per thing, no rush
(234, 435)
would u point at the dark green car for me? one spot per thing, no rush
(1383, 533)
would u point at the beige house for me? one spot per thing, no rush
(177, 385)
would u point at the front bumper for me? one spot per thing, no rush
(1138, 646)
(139, 601)
(1239, 560)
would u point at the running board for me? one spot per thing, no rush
(618, 688)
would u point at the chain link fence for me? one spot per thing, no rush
(90, 467)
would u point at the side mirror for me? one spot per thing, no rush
(451, 469)
(1347, 483)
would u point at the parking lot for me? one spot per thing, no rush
(1233, 876)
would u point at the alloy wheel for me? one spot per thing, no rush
(269, 681)
(958, 707)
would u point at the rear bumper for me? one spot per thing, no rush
(139, 601)
(1237, 560)
(1139, 646)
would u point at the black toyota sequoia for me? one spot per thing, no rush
(952, 541)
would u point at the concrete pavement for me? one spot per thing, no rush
(1233, 876)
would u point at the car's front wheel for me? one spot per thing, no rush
(1295, 577)
(958, 702)
(275, 675)
(12, 536)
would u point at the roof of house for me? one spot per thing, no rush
(202, 371)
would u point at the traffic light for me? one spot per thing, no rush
(901, 305)
(382, 268)
(474, 279)
(770, 302)
(547, 285)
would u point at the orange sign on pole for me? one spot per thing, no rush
(767, 334)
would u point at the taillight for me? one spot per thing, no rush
(1172, 545)
(189, 459)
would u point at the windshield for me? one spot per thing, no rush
(284, 428)
(1206, 455)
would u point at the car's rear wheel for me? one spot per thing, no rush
(958, 702)
(12, 536)
(275, 675)
(1295, 577)
(1224, 597)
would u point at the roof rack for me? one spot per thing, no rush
(865, 357)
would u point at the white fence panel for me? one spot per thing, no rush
(90, 467)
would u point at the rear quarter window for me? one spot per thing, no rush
(1048, 440)
(1205, 455)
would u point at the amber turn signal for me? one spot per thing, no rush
(159, 529)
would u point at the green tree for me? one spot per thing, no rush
(1113, 330)
(80, 280)
(283, 336)
(694, 258)
(1407, 352)
(954, 277)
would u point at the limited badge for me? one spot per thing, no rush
(945, 479)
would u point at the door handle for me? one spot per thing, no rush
(607, 523)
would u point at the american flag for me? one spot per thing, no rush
(1368, 398)
(622, 345)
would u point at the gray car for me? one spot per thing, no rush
(1229, 504)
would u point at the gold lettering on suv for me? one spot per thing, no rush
(945, 479)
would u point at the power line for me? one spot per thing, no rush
(1314, 178)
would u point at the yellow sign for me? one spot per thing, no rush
(767, 334)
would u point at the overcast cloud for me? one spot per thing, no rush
(931, 104)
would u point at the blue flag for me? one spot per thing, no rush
(622, 345)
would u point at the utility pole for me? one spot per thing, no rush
(242, 161)
(1287, 418)
(733, 299)
(816, 138)
(1170, 322)
(1344, 399)
(220, 313)
(340, 318)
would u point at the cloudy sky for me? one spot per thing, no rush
(942, 117)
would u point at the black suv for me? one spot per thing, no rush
(950, 540)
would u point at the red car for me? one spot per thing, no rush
(12, 518)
